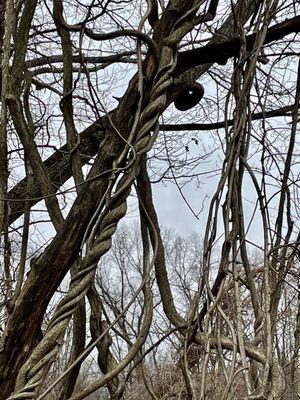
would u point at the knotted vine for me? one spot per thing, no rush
(113, 209)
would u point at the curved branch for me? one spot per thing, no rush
(104, 36)
(253, 352)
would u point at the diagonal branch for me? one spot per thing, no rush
(59, 169)
(280, 112)
(221, 52)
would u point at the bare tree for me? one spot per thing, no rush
(99, 100)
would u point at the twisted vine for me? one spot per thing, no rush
(33, 372)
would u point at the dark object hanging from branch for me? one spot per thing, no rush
(189, 96)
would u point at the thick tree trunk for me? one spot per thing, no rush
(47, 271)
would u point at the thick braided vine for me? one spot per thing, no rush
(32, 373)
